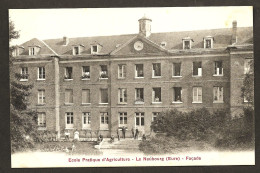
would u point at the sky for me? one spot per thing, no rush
(57, 23)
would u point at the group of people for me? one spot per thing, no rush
(75, 137)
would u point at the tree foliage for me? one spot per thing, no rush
(23, 121)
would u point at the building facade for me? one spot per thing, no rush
(98, 84)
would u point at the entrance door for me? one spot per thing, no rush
(139, 122)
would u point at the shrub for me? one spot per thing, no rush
(198, 124)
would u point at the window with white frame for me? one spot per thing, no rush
(69, 120)
(121, 71)
(94, 49)
(157, 70)
(156, 95)
(68, 73)
(197, 69)
(41, 73)
(68, 96)
(32, 51)
(155, 115)
(103, 72)
(122, 119)
(197, 94)
(24, 73)
(85, 72)
(218, 70)
(41, 96)
(247, 68)
(208, 43)
(186, 44)
(176, 69)
(76, 50)
(139, 118)
(122, 93)
(85, 96)
(86, 120)
(104, 121)
(139, 70)
(139, 95)
(104, 95)
(177, 92)
(41, 119)
(217, 94)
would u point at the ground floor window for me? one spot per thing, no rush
(122, 119)
(69, 119)
(139, 118)
(217, 94)
(197, 94)
(104, 120)
(86, 120)
(41, 119)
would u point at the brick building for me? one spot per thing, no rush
(102, 83)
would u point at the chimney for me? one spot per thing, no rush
(65, 41)
(145, 26)
(234, 32)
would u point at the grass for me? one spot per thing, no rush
(82, 148)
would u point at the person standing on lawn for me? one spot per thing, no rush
(136, 133)
(118, 134)
(133, 132)
(123, 131)
(76, 135)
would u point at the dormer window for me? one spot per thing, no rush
(95, 48)
(187, 43)
(77, 49)
(33, 50)
(208, 42)
(17, 50)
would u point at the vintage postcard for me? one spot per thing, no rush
(111, 87)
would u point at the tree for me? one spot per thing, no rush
(23, 121)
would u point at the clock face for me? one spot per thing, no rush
(138, 45)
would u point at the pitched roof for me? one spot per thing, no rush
(222, 38)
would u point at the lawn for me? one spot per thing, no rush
(83, 148)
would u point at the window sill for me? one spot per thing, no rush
(139, 77)
(40, 79)
(139, 103)
(122, 103)
(156, 77)
(86, 128)
(23, 80)
(103, 103)
(85, 104)
(196, 102)
(218, 102)
(69, 128)
(196, 76)
(42, 128)
(86, 79)
(177, 102)
(40, 104)
(176, 76)
(217, 75)
(103, 78)
(156, 102)
(68, 79)
(68, 104)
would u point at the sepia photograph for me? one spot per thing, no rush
(126, 87)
